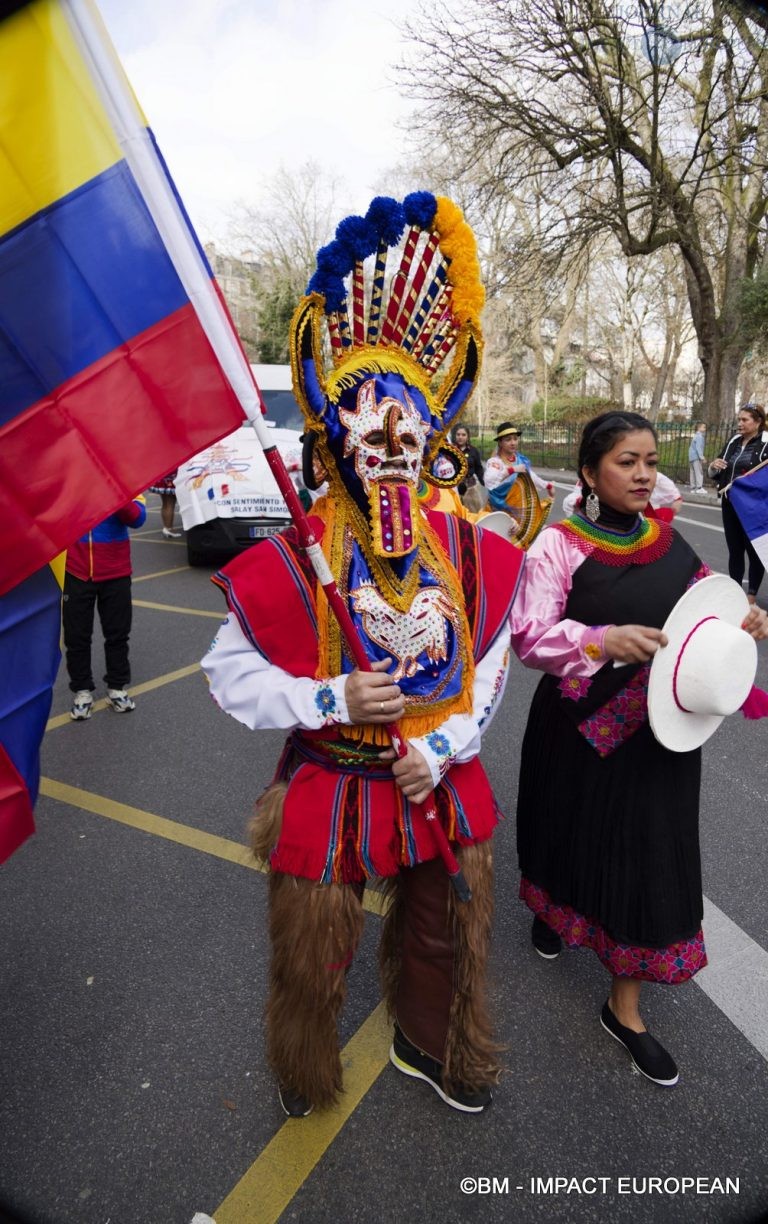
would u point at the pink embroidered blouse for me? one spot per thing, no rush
(541, 637)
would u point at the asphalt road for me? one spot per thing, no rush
(133, 1084)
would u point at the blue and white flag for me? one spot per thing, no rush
(749, 498)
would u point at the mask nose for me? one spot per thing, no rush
(391, 440)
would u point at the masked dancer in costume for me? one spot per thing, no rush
(430, 595)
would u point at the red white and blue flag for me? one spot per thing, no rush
(118, 359)
(749, 498)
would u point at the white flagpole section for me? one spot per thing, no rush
(119, 102)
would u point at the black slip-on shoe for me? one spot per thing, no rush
(293, 1103)
(412, 1061)
(648, 1055)
(546, 941)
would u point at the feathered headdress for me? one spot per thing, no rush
(423, 326)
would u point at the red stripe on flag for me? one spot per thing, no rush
(16, 820)
(102, 437)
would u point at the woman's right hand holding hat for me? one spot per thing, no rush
(632, 643)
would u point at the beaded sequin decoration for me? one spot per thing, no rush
(649, 540)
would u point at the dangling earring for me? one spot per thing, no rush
(592, 506)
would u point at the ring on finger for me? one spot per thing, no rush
(381, 707)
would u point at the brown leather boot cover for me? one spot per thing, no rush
(425, 985)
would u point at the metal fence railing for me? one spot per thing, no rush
(556, 446)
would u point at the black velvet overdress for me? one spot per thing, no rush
(614, 837)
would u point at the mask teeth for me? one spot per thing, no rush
(358, 305)
(411, 295)
(399, 285)
(377, 293)
(440, 310)
(394, 519)
(425, 306)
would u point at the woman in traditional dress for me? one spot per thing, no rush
(506, 463)
(607, 818)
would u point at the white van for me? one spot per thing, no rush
(227, 496)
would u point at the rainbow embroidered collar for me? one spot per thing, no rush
(648, 540)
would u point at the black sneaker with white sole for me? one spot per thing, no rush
(412, 1061)
(293, 1103)
(546, 941)
(648, 1055)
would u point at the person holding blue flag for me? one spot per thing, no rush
(741, 453)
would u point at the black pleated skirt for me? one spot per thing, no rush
(616, 838)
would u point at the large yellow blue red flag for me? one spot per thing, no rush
(114, 340)
(107, 377)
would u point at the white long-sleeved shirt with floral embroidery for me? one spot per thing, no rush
(261, 695)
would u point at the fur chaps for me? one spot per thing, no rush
(267, 821)
(314, 929)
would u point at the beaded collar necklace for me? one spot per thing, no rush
(646, 541)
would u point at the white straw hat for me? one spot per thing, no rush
(708, 667)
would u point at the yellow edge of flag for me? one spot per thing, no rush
(54, 132)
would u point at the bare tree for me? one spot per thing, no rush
(280, 237)
(673, 126)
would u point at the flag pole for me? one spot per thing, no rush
(165, 208)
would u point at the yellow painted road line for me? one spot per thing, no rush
(63, 720)
(177, 569)
(143, 603)
(172, 830)
(280, 1170)
(149, 822)
(264, 1192)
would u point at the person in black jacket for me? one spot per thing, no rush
(461, 440)
(743, 452)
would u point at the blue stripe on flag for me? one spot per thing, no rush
(30, 624)
(76, 281)
(749, 498)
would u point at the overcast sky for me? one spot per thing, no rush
(233, 89)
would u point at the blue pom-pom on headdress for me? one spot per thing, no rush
(419, 208)
(334, 259)
(333, 263)
(332, 289)
(387, 216)
(358, 236)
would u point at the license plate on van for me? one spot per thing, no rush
(259, 533)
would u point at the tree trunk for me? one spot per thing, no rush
(721, 376)
(659, 383)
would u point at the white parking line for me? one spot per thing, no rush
(697, 523)
(736, 978)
